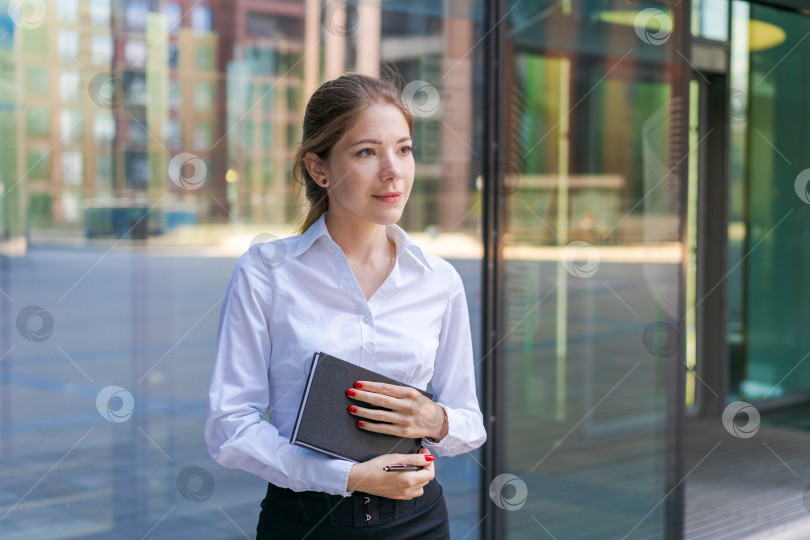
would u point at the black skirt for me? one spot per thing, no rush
(314, 515)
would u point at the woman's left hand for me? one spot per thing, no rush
(411, 414)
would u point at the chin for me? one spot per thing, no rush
(392, 220)
(388, 218)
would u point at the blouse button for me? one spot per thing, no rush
(369, 346)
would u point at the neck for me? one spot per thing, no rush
(362, 241)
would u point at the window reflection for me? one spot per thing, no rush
(101, 49)
(100, 12)
(98, 98)
(69, 85)
(592, 253)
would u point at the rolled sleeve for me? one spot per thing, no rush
(453, 380)
(236, 434)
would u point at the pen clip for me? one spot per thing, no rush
(402, 467)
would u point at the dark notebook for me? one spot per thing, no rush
(324, 423)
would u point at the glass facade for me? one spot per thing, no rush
(144, 145)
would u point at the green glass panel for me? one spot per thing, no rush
(770, 226)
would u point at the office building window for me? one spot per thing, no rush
(101, 49)
(135, 53)
(38, 163)
(38, 120)
(100, 12)
(37, 79)
(69, 82)
(174, 16)
(68, 42)
(201, 21)
(103, 127)
(71, 121)
(72, 168)
(67, 10)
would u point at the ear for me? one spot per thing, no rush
(316, 167)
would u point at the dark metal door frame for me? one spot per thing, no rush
(493, 525)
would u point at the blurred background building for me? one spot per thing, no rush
(622, 185)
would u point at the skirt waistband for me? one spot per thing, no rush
(360, 509)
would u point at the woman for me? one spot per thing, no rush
(354, 285)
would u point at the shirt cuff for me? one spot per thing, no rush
(332, 473)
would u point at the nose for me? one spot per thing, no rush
(389, 168)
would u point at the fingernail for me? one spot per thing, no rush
(351, 391)
(429, 457)
(352, 409)
(359, 424)
(358, 385)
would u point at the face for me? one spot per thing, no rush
(370, 169)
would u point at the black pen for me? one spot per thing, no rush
(401, 467)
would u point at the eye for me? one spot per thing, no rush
(405, 150)
(365, 152)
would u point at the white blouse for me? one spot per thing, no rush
(292, 297)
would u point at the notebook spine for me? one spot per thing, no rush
(303, 399)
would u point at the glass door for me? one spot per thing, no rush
(769, 225)
(592, 270)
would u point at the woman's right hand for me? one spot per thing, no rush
(369, 476)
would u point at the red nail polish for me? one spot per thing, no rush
(358, 385)
(351, 391)
(429, 457)
(359, 424)
(352, 409)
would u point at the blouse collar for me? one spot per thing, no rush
(403, 242)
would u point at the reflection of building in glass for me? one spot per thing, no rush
(9, 195)
(265, 105)
(435, 47)
(110, 97)
(103, 109)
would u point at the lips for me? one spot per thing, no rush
(391, 197)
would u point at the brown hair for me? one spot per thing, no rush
(331, 111)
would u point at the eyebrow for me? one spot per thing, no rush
(377, 141)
